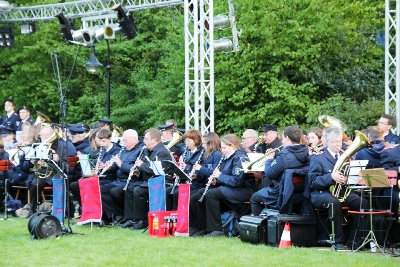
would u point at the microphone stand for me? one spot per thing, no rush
(5, 214)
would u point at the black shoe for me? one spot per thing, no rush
(140, 225)
(193, 230)
(199, 233)
(339, 246)
(215, 234)
(126, 224)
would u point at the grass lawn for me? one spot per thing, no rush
(120, 247)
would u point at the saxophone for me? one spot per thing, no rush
(343, 165)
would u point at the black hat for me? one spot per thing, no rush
(269, 127)
(78, 129)
(6, 130)
(165, 127)
(105, 121)
(24, 107)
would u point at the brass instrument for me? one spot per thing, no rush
(329, 121)
(343, 165)
(260, 141)
(133, 170)
(42, 164)
(116, 132)
(316, 149)
(41, 119)
(177, 136)
(263, 158)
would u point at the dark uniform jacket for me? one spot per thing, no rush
(128, 158)
(28, 121)
(262, 148)
(207, 168)
(81, 146)
(11, 122)
(192, 158)
(390, 158)
(392, 138)
(158, 153)
(111, 173)
(292, 157)
(372, 154)
(232, 182)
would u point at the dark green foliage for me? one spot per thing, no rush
(298, 59)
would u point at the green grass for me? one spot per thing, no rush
(120, 247)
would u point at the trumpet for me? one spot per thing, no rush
(133, 170)
(262, 159)
(211, 179)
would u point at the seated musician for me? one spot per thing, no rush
(3, 156)
(8, 137)
(250, 141)
(45, 174)
(155, 151)
(193, 154)
(271, 138)
(293, 156)
(230, 189)
(167, 131)
(315, 140)
(386, 123)
(321, 177)
(112, 194)
(373, 152)
(79, 137)
(25, 116)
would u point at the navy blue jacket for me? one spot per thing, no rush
(390, 158)
(128, 158)
(207, 168)
(11, 122)
(320, 175)
(81, 146)
(372, 154)
(110, 174)
(28, 121)
(392, 138)
(232, 182)
(191, 158)
(292, 157)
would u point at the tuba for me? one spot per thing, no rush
(46, 169)
(41, 119)
(343, 165)
(329, 121)
(116, 132)
(177, 136)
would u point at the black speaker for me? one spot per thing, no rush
(44, 225)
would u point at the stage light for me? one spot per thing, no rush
(27, 29)
(126, 23)
(223, 45)
(221, 21)
(107, 32)
(66, 29)
(6, 37)
(93, 64)
(4, 5)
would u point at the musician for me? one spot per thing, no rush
(386, 122)
(155, 151)
(3, 156)
(105, 124)
(250, 140)
(314, 140)
(271, 139)
(293, 156)
(192, 155)
(8, 137)
(231, 190)
(373, 152)
(112, 194)
(78, 136)
(58, 155)
(25, 116)
(321, 177)
(166, 137)
(11, 120)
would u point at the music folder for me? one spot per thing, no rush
(375, 177)
(175, 169)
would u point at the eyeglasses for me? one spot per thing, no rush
(384, 123)
(246, 137)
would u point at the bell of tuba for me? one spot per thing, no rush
(116, 132)
(343, 165)
(177, 136)
(41, 119)
(329, 121)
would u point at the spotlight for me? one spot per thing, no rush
(221, 21)
(66, 29)
(222, 45)
(6, 37)
(93, 64)
(107, 32)
(4, 5)
(88, 36)
(27, 29)
(126, 23)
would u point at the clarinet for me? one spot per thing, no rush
(110, 162)
(96, 169)
(132, 170)
(176, 181)
(192, 173)
(211, 179)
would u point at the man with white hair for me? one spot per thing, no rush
(250, 140)
(112, 194)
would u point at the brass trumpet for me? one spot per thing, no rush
(249, 166)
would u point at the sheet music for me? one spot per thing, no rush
(85, 165)
(157, 168)
(354, 173)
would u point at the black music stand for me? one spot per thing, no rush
(374, 178)
(168, 164)
(4, 167)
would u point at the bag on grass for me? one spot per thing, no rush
(230, 224)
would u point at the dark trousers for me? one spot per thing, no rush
(129, 200)
(35, 190)
(172, 199)
(112, 198)
(141, 202)
(207, 214)
(256, 201)
(352, 201)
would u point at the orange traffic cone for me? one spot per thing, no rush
(285, 238)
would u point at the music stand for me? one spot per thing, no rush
(175, 169)
(4, 167)
(374, 178)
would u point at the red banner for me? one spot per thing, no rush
(91, 200)
(182, 225)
